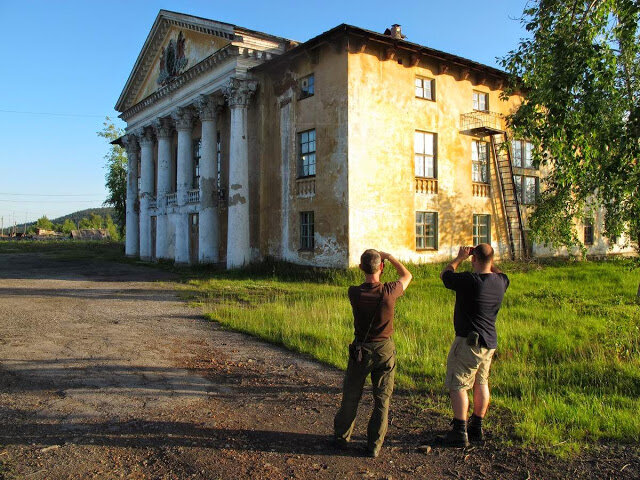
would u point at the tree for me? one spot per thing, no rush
(112, 229)
(116, 176)
(44, 223)
(68, 226)
(580, 76)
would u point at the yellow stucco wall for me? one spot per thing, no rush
(284, 114)
(197, 47)
(384, 113)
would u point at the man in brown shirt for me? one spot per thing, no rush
(373, 351)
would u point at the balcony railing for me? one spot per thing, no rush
(482, 123)
(172, 198)
(193, 196)
(481, 189)
(427, 185)
(306, 187)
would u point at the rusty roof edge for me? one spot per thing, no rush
(385, 39)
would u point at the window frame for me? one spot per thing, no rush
(476, 161)
(307, 236)
(425, 224)
(588, 238)
(425, 156)
(476, 94)
(301, 155)
(432, 87)
(477, 238)
(306, 94)
(197, 145)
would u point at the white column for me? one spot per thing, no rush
(146, 187)
(209, 228)
(132, 239)
(164, 132)
(238, 93)
(184, 125)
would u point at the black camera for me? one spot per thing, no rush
(471, 251)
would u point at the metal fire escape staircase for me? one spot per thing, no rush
(490, 124)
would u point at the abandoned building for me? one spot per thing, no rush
(243, 145)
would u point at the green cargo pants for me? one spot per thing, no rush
(380, 362)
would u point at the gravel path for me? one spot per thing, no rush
(106, 373)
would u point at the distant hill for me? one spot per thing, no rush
(77, 216)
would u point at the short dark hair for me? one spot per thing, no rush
(370, 261)
(483, 253)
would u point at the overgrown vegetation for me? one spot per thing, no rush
(567, 371)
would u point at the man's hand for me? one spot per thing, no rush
(403, 273)
(464, 252)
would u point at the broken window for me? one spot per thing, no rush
(426, 230)
(307, 153)
(306, 231)
(424, 154)
(196, 163)
(307, 86)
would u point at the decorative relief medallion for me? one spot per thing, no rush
(172, 60)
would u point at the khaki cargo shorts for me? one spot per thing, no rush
(467, 365)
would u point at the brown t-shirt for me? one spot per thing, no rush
(364, 301)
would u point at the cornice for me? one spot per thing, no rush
(193, 73)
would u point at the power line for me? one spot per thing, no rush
(54, 114)
(54, 194)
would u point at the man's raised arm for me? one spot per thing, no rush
(403, 273)
(463, 254)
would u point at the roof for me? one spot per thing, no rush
(345, 29)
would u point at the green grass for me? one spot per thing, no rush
(566, 373)
(567, 370)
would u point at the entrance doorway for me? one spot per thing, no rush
(154, 230)
(193, 237)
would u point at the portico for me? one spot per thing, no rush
(187, 100)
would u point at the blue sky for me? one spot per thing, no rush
(64, 64)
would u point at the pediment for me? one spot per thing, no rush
(176, 43)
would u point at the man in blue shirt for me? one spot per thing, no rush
(479, 296)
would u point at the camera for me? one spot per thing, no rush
(471, 251)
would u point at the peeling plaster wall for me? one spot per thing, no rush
(283, 114)
(383, 116)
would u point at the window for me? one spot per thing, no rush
(306, 231)
(426, 231)
(196, 163)
(307, 153)
(425, 157)
(307, 86)
(521, 152)
(480, 161)
(481, 101)
(588, 232)
(139, 173)
(425, 88)
(481, 229)
(526, 188)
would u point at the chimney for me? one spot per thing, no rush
(396, 32)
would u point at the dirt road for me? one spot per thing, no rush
(105, 373)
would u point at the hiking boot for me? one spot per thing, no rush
(474, 429)
(457, 436)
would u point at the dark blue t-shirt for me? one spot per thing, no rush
(478, 299)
